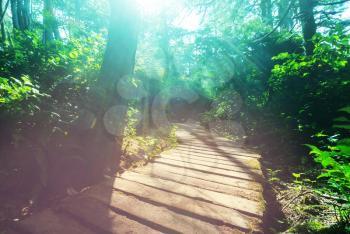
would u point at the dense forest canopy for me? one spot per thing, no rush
(272, 73)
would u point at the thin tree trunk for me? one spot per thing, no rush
(50, 23)
(2, 25)
(170, 66)
(266, 11)
(20, 14)
(48, 13)
(27, 13)
(308, 23)
(286, 20)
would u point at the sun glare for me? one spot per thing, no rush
(186, 19)
(151, 7)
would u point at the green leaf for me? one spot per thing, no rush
(323, 175)
(341, 119)
(314, 149)
(342, 126)
(345, 109)
(345, 141)
(320, 134)
(74, 55)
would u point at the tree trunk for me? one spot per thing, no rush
(14, 13)
(23, 14)
(27, 14)
(50, 23)
(266, 11)
(19, 13)
(2, 25)
(308, 23)
(286, 21)
(119, 61)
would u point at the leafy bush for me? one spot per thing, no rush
(302, 86)
(15, 92)
(335, 161)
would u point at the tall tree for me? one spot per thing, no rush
(26, 13)
(51, 31)
(164, 42)
(14, 13)
(21, 15)
(266, 11)
(285, 14)
(3, 10)
(119, 62)
(308, 23)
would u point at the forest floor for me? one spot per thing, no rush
(204, 185)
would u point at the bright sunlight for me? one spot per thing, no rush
(185, 18)
(175, 116)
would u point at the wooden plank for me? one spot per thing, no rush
(212, 165)
(238, 218)
(94, 212)
(194, 157)
(226, 172)
(204, 184)
(218, 150)
(185, 173)
(217, 153)
(226, 200)
(157, 217)
(242, 162)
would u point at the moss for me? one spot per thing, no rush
(254, 164)
(311, 226)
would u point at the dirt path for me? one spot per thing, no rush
(205, 185)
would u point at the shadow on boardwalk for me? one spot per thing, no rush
(205, 185)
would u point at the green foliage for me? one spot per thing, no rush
(18, 96)
(33, 66)
(330, 56)
(226, 106)
(246, 68)
(309, 227)
(132, 122)
(302, 87)
(14, 90)
(335, 161)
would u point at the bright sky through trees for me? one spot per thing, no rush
(90, 86)
(186, 19)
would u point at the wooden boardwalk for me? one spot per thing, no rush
(205, 185)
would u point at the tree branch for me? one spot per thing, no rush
(278, 25)
(3, 13)
(333, 3)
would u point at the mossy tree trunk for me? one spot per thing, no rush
(21, 14)
(308, 23)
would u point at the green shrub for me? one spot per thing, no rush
(308, 89)
(335, 161)
(15, 92)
